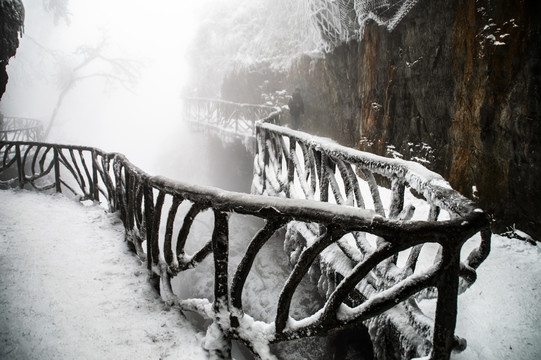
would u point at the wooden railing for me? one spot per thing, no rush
(20, 129)
(158, 215)
(227, 117)
(294, 164)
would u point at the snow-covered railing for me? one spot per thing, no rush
(158, 215)
(371, 266)
(228, 118)
(20, 129)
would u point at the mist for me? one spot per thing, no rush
(128, 98)
(112, 74)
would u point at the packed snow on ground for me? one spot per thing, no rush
(500, 315)
(70, 289)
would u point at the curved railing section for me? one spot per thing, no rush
(20, 129)
(370, 266)
(228, 118)
(158, 215)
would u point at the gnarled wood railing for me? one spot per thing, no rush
(365, 264)
(157, 231)
(20, 129)
(228, 118)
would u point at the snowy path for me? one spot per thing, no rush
(500, 315)
(70, 289)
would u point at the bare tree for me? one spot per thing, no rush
(92, 63)
(59, 9)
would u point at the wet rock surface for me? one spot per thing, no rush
(455, 86)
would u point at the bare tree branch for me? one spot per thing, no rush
(121, 71)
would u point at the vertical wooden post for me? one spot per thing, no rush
(117, 183)
(291, 166)
(121, 193)
(129, 200)
(446, 306)
(374, 191)
(323, 179)
(220, 250)
(149, 216)
(397, 201)
(20, 169)
(263, 134)
(156, 226)
(323, 185)
(95, 187)
(433, 213)
(57, 169)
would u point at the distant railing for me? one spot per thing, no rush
(228, 118)
(364, 264)
(20, 129)
(144, 201)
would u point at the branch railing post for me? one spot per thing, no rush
(220, 250)
(57, 169)
(95, 187)
(290, 166)
(446, 306)
(323, 179)
(129, 200)
(265, 159)
(148, 217)
(20, 169)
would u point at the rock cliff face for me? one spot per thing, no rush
(11, 27)
(495, 136)
(456, 86)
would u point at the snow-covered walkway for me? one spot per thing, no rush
(70, 289)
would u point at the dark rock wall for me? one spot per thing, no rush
(456, 84)
(11, 27)
(495, 136)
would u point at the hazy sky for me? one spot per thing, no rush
(151, 35)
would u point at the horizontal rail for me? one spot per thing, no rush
(235, 104)
(159, 214)
(428, 183)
